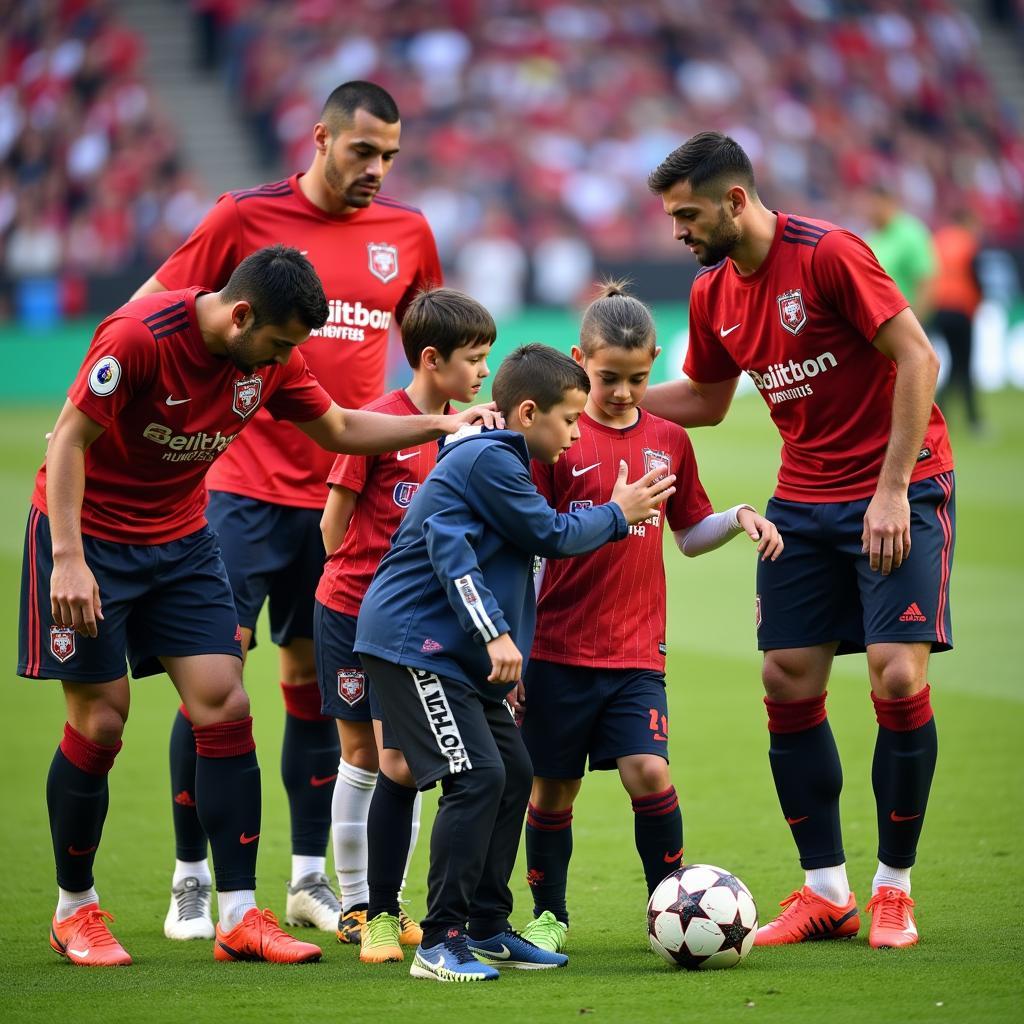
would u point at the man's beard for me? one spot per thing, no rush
(720, 242)
(336, 183)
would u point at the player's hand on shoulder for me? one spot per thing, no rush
(640, 499)
(75, 595)
(885, 538)
(763, 531)
(478, 415)
(506, 661)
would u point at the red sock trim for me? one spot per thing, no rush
(795, 715)
(84, 754)
(184, 712)
(548, 821)
(657, 804)
(904, 713)
(225, 739)
(303, 701)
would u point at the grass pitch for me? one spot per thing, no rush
(967, 884)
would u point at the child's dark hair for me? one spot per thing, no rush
(281, 285)
(538, 373)
(616, 318)
(444, 319)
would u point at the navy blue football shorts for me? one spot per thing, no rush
(822, 588)
(271, 552)
(345, 690)
(159, 600)
(574, 712)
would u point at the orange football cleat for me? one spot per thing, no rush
(807, 917)
(892, 919)
(259, 937)
(85, 939)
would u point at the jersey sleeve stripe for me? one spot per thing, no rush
(471, 600)
(178, 325)
(796, 222)
(797, 233)
(274, 188)
(800, 241)
(388, 201)
(154, 319)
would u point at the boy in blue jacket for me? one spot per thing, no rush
(440, 634)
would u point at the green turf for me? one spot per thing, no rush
(968, 883)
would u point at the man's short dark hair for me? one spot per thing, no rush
(710, 161)
(539, 373)
(340, 108)
(446, 320)
(280, 284)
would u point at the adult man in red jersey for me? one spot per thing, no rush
(373, 255)
(803, 308)
(119, 562)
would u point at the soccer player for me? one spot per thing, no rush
(441, 631)
(446, 336)
(119, 558)
(595, 684)
(267, 493)
(803, 307)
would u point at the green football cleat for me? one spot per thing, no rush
(547, 932)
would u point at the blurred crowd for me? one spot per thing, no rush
(530, 125)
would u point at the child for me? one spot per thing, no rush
(446, 336)
(440, 633)
(595, 685)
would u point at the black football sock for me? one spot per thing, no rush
(77, 799)
(808, 778)
(901, 773)
(388, 834)
(189, 837)
(309, 766)
(658, 830)
(548, 852)
(228, 800)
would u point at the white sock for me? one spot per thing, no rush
(349, 807)
(417, 809)
(898, 878)
(831, 883)
(191, 869)
(233, 905)
(303, 865)
(70, 902)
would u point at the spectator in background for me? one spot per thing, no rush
(957, 295)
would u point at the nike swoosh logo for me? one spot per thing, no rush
(246, 840)
(893, 816)
(504, 954)
(402, 456)
(314, 781)
(437, 966)
(726, 331)
(796, 821)
(674, 857)
(580, 470)
(176, 401)
(80, 853)
(846, 917)
(79, 952)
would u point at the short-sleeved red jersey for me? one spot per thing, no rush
(801, 326)
(168, 408)
(372, 262)
(607, 609)
(385, 485)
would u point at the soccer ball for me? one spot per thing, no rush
(701, 917)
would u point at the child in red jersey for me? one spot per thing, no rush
(446, 336)
(595, 685)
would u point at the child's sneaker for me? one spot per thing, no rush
(510, 949)
(451, 960)
(381, 940)
(547, 932)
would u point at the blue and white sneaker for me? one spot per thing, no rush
(450, 960)
(510, 949)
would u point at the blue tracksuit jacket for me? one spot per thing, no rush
(460, 569)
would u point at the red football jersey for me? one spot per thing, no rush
(372, 262)
(168, 408)
(385, 485)
(607, 609)
(801, 326)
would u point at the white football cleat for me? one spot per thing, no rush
(189, 914)
(312, 904)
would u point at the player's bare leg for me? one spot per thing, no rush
(657, 820)
(77, 798)
(309, 767)
(228, 803)
(808, 779)
(901, 774)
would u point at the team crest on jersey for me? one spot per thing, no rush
(580, 506)
(62, 643)
(246, 398)
(351, 685)
(654, 459)
(403, 492)
(104, 376)
(792, 311)
(383, 260)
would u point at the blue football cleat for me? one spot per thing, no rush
(450, 960)
(510, 949)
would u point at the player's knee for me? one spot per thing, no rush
(232, 707)
(786, 675)
(101, 723)
(554, 794)
(361, 755)
(896, 676)
(646, 775)
(395, 767)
